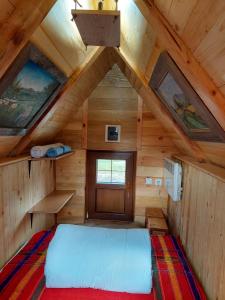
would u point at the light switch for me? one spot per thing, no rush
(158, 181)
(148, 181)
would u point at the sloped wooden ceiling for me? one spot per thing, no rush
(191, 31)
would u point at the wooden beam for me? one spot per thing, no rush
(139, 82)
(26, 140)
(184, 58)
(18, 28)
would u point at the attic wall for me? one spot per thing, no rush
(152, 144)
(113, 102)
(199, 221)
(18, 193)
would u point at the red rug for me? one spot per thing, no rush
(23, 277)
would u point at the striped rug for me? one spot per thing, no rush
(23, 277)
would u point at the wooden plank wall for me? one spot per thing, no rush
(113, 102)
(156, 144)
(71, 171)
(153, 144)
(71, 175)
(18, 193)
(199, 221)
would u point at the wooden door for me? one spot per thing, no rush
(110, 185)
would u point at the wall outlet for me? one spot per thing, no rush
(148, 180)
(158, 181)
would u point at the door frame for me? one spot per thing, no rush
(134, 154)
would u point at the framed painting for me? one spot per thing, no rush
(186, 107)
(112, 133)
(27, 91)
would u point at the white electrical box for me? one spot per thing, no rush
(148, 181)
(173, 179)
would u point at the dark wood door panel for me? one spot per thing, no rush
(110, 200)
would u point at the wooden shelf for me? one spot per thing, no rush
(12, 160)
(51, 204)
(52, 158)
(205, 167)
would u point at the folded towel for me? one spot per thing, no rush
(54, 152)
(40, 151)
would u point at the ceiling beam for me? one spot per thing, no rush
(140, 84)
(184, 58)
(16, 31)
(62, 96)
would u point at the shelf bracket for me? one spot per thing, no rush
(29, 166)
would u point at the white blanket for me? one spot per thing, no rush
(93, 257)
(40, 151)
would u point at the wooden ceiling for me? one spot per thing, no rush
(191, 30)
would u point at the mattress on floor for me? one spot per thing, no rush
(23, 277)
(109, 259)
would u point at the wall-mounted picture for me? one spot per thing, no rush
(112, 133)
(27, 90)
(186, 107)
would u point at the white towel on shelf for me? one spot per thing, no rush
(40, 151)
(102, 258)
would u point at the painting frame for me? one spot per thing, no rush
(30, 53)
(166, 72)
(107, 134)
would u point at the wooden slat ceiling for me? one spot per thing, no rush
(199, 23)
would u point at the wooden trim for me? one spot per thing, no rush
(13, 160)
(139, 123)
(85, 124)
(205, 167)
(95, 12)
(184, 58)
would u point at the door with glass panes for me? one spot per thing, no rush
(110, 185)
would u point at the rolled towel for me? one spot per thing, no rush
(54, 152)
(66, 149)
(40, 151)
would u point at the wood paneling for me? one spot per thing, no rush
(199, 221)
(22, 19)
(18, 193)
(155, 146)
(113, 106)
(71, 175)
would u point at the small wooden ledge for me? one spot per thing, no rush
(205, 167)
(52, 158)
(51, 204)
(13, 160)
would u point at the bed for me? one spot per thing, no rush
(23, 277)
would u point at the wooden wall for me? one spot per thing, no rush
(18, 193)
(71, 175)
(113, 102)
(156, 144)
(199, 221)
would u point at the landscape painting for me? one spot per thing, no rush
(26, 95)
(183, 103)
